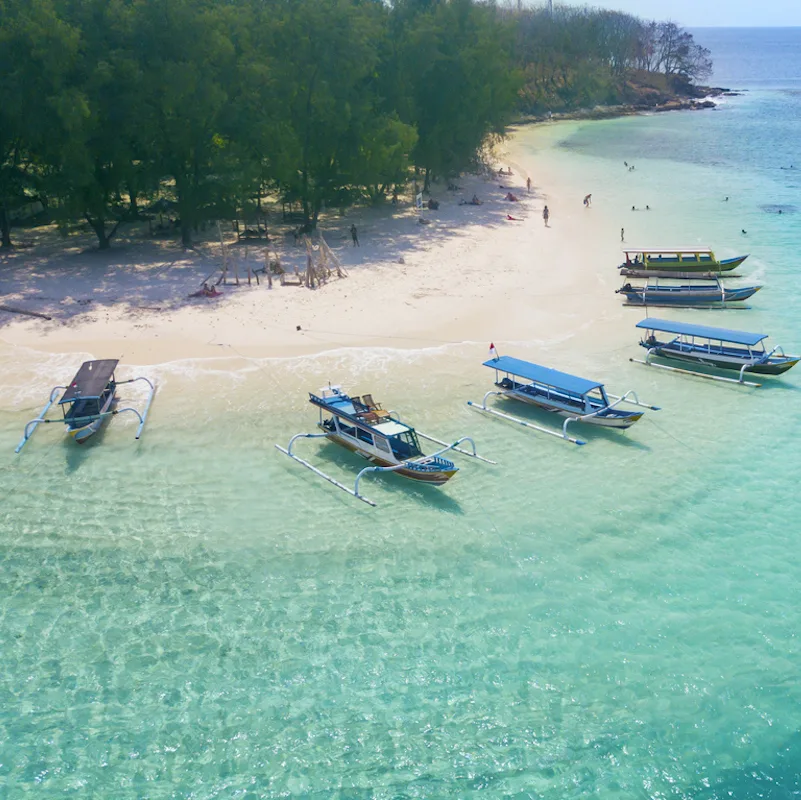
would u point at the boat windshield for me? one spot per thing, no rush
(80, 409)
(405, 445)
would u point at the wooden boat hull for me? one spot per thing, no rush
(686, 295)
(615, 419)
(434, 477)
(775, 365)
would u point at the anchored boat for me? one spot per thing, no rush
(88, 402)
(644, 262)
(576, 399)
(362, 426)
(697, 295)
(705, 346)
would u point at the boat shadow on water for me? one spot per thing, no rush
(76, 454)
(402, 489)
(583, 431)
(773, 383)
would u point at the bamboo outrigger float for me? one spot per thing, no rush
(705, 346)
(362, 426)
(676, 262)
(576, 399)
(88, 402)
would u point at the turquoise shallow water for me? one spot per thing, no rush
(195, 616)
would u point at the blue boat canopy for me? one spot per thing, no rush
(544, 375)
(703, 331)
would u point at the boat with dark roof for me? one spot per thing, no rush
(89, 401)
(569, 396)
(362, 426)
(719, 348)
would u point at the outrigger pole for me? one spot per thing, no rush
(287, 451)
(39, 419)
(559, 435)
(739, 380)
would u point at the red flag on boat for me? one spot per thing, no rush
(493, 352)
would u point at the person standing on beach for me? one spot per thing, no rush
(546, 215)
(588, 201)
(355, 236)
(622, 235)
(528, 185)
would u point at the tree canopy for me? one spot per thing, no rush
(108, 104)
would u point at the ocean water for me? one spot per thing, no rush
(196, 616)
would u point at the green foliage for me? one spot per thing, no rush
(580, 57)
(106, 103)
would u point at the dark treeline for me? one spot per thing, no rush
(106, 105)
(579, 57)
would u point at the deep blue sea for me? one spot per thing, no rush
(195, 616)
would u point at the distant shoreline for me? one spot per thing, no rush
(698, 101)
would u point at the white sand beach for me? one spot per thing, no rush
(470, 274)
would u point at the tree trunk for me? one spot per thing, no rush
(133, 207)
(99, 227)
(186, 233)
(5, 227)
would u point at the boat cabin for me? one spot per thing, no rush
(366, 424)
(702, 339)
(90, 391)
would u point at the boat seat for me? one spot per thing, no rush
(370, 403)
(370, 417)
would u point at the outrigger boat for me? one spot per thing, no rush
(576, 399)
(712, 294)
(704, 346)
(88, 402)
(359, 424)
(642, 262)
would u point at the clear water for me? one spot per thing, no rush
(195, 616)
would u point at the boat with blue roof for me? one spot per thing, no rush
(362, 426)
(568, 396)
(719, 348)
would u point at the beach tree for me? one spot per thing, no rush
(328, 89)
(94, 157)
(37, 52)
(187, 59)
(679, 55)
(454, 61)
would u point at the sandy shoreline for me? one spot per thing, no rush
(469, 275)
